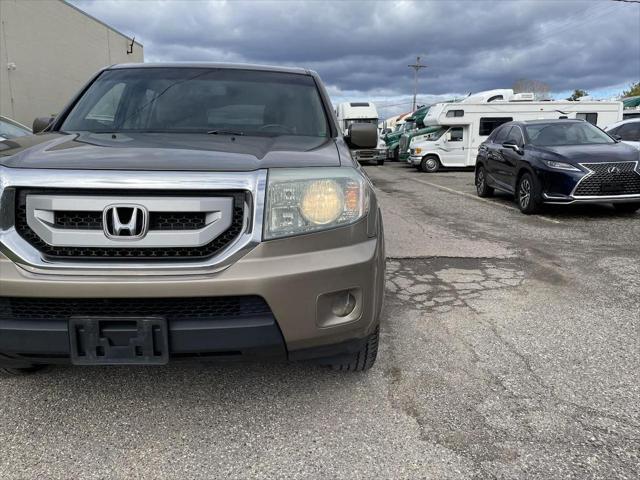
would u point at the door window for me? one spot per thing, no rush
(629, 132)
(515, 137)
(456, 134)
(501, 135)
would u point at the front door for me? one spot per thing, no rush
(508, 158)
(454, 147)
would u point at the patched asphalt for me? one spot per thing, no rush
(510, 349)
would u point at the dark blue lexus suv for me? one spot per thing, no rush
(558, 162)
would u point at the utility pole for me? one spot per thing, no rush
(416, 66)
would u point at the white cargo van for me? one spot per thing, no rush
(349, 113)
(463, 126)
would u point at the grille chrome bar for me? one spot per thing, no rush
(41, 210)
(17, 249)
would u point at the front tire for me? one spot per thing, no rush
(396, 154)
(482, 188)
(528, 194)
(627, 207)
(430, 164)
(380, 162)
(362, 360)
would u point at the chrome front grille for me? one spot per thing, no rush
(81, 234)
(609, 179)
(207, 254)
(404, 144)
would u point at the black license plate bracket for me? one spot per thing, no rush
(118, 340)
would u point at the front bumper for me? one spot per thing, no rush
(372, 155)
(295, 276)
(414, 160)
(567, 187)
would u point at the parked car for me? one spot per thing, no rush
(627, 130)
(191, 210)
(11, 129)
(469, 122)
(558, 162)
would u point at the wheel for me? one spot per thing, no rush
(482, 188)
(381, 162)
(430, 164)
(361, 360)
(396, 154)
(627, 207)
(12, 371)
(528, 194)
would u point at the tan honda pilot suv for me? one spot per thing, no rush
(190, 211)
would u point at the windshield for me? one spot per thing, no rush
(435, 135)
(408, 126)
(569, 133)
(199, 100)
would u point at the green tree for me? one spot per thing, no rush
(634, 90)
(577, 93)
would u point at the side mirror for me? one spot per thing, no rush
(447, 137)
(40, 124)
(362, 135)
(513, 147)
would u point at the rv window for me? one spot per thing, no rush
(495, 97)
(592, 118)
(455, 113)
(456, 134)
(488, 125)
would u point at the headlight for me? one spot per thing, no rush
(561, 166)
(307, 200)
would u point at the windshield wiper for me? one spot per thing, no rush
(222, 131)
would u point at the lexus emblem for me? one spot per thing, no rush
(125, 222)
(613, 170)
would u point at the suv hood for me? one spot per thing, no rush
(574, 154)
(161, 151)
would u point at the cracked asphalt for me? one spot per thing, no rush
(510, 350)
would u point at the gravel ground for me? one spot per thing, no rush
(510, 349)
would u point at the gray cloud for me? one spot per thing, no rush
(362, 49)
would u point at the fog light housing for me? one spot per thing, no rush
(343, 304)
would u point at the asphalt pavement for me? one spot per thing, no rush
(510, 349)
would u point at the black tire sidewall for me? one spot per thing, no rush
(534, 199)
(486, 190)
(423, 164)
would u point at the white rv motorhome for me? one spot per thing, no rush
(463, 126)
(349, 113)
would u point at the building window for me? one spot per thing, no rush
(592, 118)
(488, 125)
(455, 113)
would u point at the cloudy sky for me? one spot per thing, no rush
(362, 49)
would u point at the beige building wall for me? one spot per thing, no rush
(48, 51)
